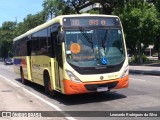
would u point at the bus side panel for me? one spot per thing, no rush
(39, 64)
(16, 66)
(53, 83)
(29, 68)
(25, 64)
(42, 63)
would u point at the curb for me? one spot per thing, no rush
(152, 72)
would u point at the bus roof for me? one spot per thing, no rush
(57, 19)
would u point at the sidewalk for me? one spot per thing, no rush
(152, 69)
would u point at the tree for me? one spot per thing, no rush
(6, 36)
(157, 29)
(53, 8)
(139, 22)
(156, 4)
(32, 21)
(10, 30)
(107, 6)
(77, 5)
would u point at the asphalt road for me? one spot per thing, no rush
(143, 94)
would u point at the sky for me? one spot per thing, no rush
(10, 10)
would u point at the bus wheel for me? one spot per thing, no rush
(47, 85)
(22, 77)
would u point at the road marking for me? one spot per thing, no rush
(40, 98)
(10, 81)
(138, 79)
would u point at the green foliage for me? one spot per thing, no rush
(155, 55)
(140, 22)
(157, 4)
(94, 12)
(7, 34)
(76, 5)
(8, 26)
(10, 30)
(53, 8)
(134, 59)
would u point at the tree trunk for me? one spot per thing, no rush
(140, 53)
(158, 55)
(140, 58)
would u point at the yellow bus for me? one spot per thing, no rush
(74, 54)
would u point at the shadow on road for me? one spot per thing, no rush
(80, 98)
(90, 98)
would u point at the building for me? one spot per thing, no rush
(94, 6)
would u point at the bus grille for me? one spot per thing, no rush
(93, 87)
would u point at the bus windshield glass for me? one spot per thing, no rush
(94, 47)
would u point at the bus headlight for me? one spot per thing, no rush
(72, 76)
(125, 72)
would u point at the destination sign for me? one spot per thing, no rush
(90, 21)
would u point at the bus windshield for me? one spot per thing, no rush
(94, 47)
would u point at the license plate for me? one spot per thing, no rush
(100, 89)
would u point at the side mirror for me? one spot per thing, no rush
(61, 36)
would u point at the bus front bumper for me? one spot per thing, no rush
(86, 87)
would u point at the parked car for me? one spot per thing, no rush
(8, 62)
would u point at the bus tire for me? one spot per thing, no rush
(22, 77)
(47, 85)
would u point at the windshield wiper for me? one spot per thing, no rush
(89, 39)
(104, 40)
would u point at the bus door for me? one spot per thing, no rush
(57, 53)
(35, 61)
